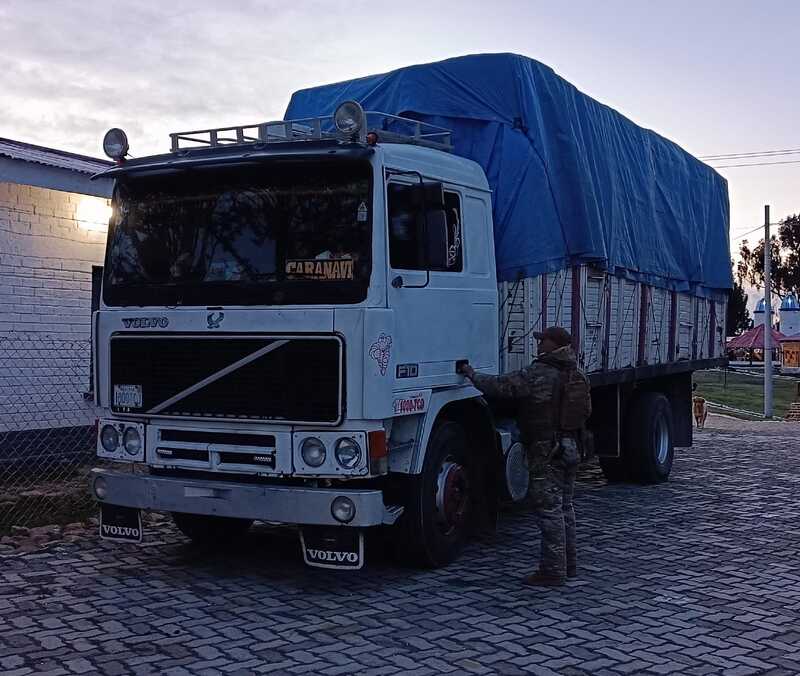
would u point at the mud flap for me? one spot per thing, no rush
(336, 547)
(121, 524)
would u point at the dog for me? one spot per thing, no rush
(700, 410)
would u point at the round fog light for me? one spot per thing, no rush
(343, 509)
(100, 488)
(132, 441)
(109, 438)
(348, 452)
(313, 452)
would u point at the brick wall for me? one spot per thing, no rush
(46, 260)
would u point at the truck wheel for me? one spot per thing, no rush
(649, 448)
(439, 508)
(202, 529)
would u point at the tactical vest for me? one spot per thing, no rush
(575, 405)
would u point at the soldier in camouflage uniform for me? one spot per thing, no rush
(553, 406)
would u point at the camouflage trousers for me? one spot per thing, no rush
(551, 492)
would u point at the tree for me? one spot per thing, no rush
(785, 259)
(738, 314)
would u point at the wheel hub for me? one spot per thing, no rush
(452, 496)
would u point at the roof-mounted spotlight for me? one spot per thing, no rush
(115, 144)
(350, 119)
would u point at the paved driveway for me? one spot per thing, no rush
(698, 576)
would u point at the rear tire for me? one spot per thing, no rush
(206, 530)
(649, 438)
(440, 505)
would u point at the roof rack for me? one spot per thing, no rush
(389, 128)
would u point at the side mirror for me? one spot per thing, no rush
(436, 240)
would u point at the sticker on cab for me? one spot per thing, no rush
(128, 396)
(413, 402)
(331, 269)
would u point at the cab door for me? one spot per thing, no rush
(442, 313)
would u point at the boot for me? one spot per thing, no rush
(540, 579)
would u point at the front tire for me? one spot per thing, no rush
(649, 439)
(206, 530)
(440, 505)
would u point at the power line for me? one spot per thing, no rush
(750, 232)
(753, 164)
(725, 156)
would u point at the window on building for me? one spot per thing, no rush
(407, 250)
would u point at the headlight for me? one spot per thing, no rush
(343, 509)
(132, 441)
(115, 144)
(313, 452)
(349, 117)
(109, 438)
(348, 452)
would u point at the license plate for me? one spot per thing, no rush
(128, 396)
(338, 547)
(122, 524)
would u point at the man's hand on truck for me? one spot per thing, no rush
(464, 369)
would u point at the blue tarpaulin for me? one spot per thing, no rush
(573, 181)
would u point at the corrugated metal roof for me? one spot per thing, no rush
(27, 152)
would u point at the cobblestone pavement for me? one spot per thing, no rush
(697, 576)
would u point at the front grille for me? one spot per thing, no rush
(297, 381)
(230, 458)
(218, 438)
(181, 454)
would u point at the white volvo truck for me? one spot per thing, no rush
(284, 308)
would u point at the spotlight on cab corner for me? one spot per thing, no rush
(115, 144)
(349, 118)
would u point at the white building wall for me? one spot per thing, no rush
(790, 322)
(46, 259)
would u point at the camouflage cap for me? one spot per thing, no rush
(556, 334)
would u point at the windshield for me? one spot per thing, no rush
(275, 233)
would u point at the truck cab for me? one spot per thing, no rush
(283, 310)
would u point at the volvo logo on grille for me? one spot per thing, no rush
(215, 319)
(145, 322)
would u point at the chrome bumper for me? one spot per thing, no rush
(281, 504)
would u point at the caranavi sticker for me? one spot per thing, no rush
(331, 269)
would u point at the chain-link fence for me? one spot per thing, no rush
(46, 430)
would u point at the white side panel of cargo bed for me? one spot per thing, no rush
(704, 328)
(520, 316)
(625, 315)
(594, 305)
(685, 325)
(559, 299)
(658, 326)
(512, 325)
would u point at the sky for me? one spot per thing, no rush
(715, 76)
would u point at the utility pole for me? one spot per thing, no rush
(767, 317)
